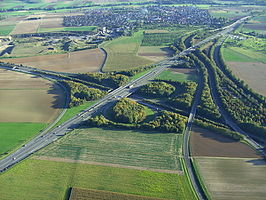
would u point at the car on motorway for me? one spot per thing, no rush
(14, 158)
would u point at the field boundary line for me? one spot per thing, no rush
(107, 164)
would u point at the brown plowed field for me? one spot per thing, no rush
(207, 143)
(76, 62)
(25, 98)
(87, 194)
(254, 74)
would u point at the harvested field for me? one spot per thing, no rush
(27, 26)
(120, 148)
(155, 53)
(253, 73)
(75, 62)
(12, 20)
(25, 98)
(207, 143)
(233, 178)
(52, 21)
(86, 194)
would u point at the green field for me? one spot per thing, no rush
(51, 180)
(6, 29)
(236, 54)
(227, 13)
(13, 134)
(82, 28)
(174, 76)
(122, 53)
(124, 147)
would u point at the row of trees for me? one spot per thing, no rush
(219, 129)
(164, 121)
(80, 93)
(206, 108)
(111, 79)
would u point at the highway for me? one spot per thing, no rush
(45, 139)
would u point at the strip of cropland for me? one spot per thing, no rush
(89, 60)
(27, 105)
(229, 169)
(78, 193)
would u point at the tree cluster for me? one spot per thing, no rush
(128, 111)
(165, 122)
(80, 93)
(184, 98)
(156, 89)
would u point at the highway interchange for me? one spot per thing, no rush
(54, 134)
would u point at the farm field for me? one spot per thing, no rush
(75, 62)
(207, 143)
(122, 53)
(248, 65)
(6, 29)
(257, 24)
(14, 134)
(155, 53)
(27, 105)
(27, 26)
(86, 194)
(51, 22)
(233, 178)
(122, 148)
(25, 98)
(254, 74)
(178, 74)
(52, 180)
(236, 54)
